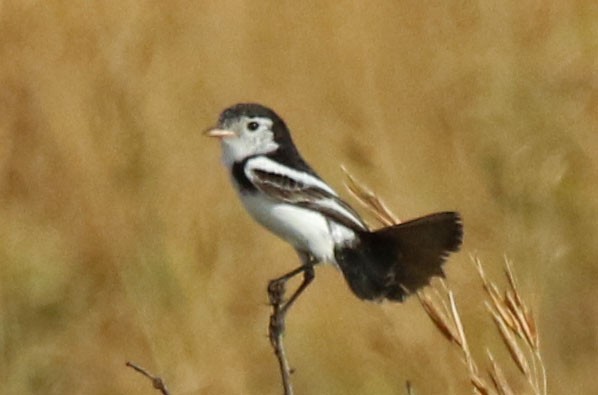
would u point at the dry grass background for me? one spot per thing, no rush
(120, 237)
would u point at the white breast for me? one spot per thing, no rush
(305, 229)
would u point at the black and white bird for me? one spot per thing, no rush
(284, 194)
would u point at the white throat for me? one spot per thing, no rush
(238, 149)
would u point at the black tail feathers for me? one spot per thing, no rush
(396, 261)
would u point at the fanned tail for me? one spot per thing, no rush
(395, 261)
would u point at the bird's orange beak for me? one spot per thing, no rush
(219, 133)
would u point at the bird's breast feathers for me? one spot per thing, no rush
(305, 229)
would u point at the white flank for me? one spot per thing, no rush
(305, 229)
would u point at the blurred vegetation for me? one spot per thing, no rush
(120, 237)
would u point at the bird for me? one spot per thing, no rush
(283, 193)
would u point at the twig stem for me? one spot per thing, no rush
(157, 382)
(276, 292)
(276, 331)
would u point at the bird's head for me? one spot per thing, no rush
(249, 129)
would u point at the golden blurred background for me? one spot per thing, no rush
(121, 238)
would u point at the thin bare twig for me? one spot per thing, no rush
(280, 308)
(157, 382)
(276, 291)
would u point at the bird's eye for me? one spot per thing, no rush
(253, 126)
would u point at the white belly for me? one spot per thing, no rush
(305, 229)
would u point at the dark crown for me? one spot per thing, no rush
(250, 110)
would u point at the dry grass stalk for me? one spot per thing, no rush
(512, 317)
(480, 385)
(447, 319)
(511, 344)
(491, 289)
(498, 377)
(439, 318)
(521, 310)
(473, 368)
(369, 200)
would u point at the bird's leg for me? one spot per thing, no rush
(308, 276)
(277, 286)
(276, 291)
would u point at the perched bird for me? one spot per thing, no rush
(284, 194)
